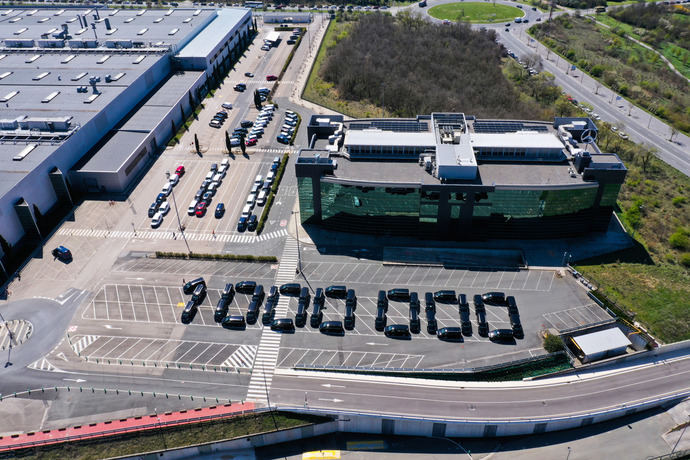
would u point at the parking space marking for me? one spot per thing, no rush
(298, 356)
(43, 365)
(84, 342)
(577, 317)
(242, 357)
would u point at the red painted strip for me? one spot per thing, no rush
(128, 425)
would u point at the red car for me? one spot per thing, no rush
(200, 209)
(271, 78)
(180, 170)
(251, 141)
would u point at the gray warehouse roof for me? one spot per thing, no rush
(208, 38)
(602, 341)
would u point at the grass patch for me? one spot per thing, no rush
(172, 437)
(476, 12)
(274, 190)
(226, 257)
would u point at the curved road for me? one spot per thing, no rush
(509, 401)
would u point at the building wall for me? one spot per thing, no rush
(453, 211)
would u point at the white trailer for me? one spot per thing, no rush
(272, 38)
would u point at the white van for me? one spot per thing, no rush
(246, 211)
(192, 206)
(213, 188)
(167, 188)
(218, 178)
(251, 199)
(261, 199)
(209, 175)
(270, 176)
(259, 180)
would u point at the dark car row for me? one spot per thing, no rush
(400, 331)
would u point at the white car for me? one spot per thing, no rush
(167, 188)
(234, 142)
(174, 179)
(226, 105)
(157, 220)
(165, 208)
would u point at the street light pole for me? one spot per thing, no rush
(179, 224)
(299, 256)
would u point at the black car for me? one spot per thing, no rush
(512, 305)
(414, 301)
(273, 293)
(332, 328)
(283, 325)
(221, 310)
(336, 292)
(252, 223)
(62, 253)
(199, 293)
(494, 298)
(246, 124)
(189, 286)
(291, 289)
(234, 322)
(245, 287)
(161, 198)
(351, 299)
(349, 317)
(316, 315)
(450, 334)
(319, 297)
(240, 131)
(258, 294)
(240, 87)
(431, 324)
(153, 208)
(189, 312)
(382, 301)
(399, 294)
(380, 320)
(445, 296)
(269, 311)
(242, 224)
(220, 210)
(302, 307)
(429, 302)
(253, 312)
(397, 331)
(415, 325)
(501, 335)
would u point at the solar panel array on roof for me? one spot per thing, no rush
(498, 127)
(397, 126)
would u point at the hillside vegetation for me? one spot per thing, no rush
(416, 67)
(626, 67)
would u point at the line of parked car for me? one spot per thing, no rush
(252, 131)
(396, 331)
(257, 196)
(202, 199)
(218, 119)
(161, 207)
(288, 128)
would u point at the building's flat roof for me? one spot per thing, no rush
(118, 147)
(203, 44)
(520, 139)
(389, 138)
(44, 20)
(601, 341)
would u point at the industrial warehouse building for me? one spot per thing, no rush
(448, 176)
(90, 97)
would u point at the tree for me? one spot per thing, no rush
(257, 99)
(674, 132)
(196, 143)
(646, 156)
(227, 143)
(243, 146)
(553, 343)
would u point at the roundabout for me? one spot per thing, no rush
(475, 12)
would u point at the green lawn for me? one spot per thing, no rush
(476, 12)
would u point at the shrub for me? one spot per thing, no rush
(678, 201)
(685, 259)
(553, 343)
(597, 70)
(680, 239)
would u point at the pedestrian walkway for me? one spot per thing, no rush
(14, 332)
(164, 235)
(43, 365)
(269, 346)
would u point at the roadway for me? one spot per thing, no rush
(510, 401)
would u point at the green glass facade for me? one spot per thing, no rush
(534, 203)
(609, 194)
(306, 198)
(368, 201)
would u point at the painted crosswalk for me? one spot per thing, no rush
(242, 357)
(83, 342)
(155, 235)
(43, 365)
(269, 345)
